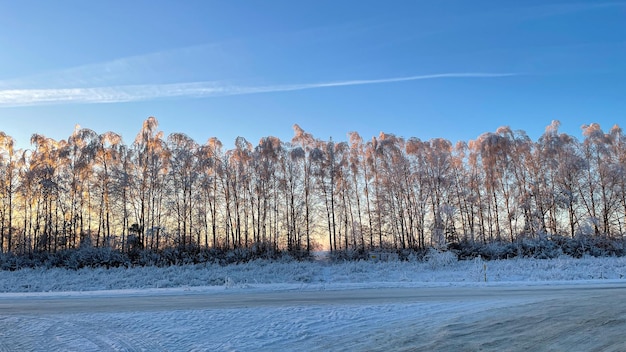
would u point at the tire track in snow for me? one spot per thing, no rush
(573, 322)
(68, 332)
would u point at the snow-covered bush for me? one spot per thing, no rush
(348, 255)
(541, 247)
(91, 257)
(440, 259)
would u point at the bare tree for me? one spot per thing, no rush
(307, 143)
(210, 157)
(8, 172)
(600, 198)
(182, 177)
(152, 159)
(266, 165)
(358, 171)
(237, 181)
(372, 155)
(618, 149)
(105, 155)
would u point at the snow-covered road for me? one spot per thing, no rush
(564, 317)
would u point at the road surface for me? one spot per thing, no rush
(577, 317)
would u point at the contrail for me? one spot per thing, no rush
(131, 93)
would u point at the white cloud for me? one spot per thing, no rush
(130, 93)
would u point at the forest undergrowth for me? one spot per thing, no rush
(545, 247)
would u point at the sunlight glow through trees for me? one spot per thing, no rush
(296, 195)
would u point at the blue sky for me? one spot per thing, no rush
(426, 69)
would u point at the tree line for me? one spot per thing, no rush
(387, 192)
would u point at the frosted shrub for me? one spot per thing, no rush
(348, 255)
(499, 250)
(438, 259)
(229, 283)
(477, 270)
(87, 257)
(148, 258)
(539, 248)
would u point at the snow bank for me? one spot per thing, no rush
(315, 275)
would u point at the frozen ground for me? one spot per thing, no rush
(551, 305)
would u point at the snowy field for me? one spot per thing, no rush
(553, 305)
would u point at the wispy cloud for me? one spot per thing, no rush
(149, 68)
(131, 93)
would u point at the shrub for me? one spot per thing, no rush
(440, 259)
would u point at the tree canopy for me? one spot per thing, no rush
(386, 192)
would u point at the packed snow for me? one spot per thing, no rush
(441, 304)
